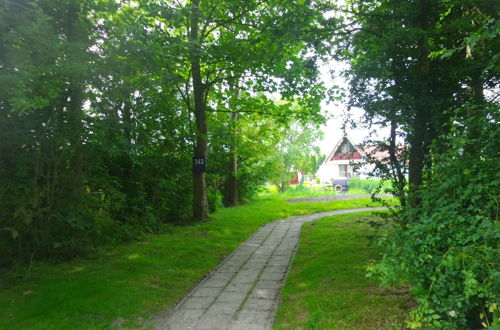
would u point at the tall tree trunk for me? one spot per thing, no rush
(418, 136)
(200, 204)
(234, 197)
(128, 183)
(416, 159)
(74, 35)
(472, 150)
(234, 194)
(398, 176)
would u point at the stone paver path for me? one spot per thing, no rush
(243, 291)
(332, 198)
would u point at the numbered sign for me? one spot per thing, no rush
(199, 164)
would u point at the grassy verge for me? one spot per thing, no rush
(131, 282)
(356, 186)
(327, 287)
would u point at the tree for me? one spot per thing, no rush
(292, 152)
(45, 66)
(104, 107)
(412, 68)
(232, 47)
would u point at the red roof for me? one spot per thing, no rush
(347, 156)
(375, 152)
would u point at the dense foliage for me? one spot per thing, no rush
(448, 247)
(429, 71)
(101, 113)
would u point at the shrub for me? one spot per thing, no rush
(447, 249)
(368, 185)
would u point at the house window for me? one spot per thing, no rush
(345, 147)
(343, 171)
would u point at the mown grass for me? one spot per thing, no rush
(134, 281)
(298, 191)
(327, 287)
(356, 186)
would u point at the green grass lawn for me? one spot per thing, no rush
(134, 281)
(323, 190)
(327, 287)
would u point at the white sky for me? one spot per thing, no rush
(331, 75)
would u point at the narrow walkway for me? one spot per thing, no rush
(243, 291)
(332, 198)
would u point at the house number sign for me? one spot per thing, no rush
(199, 164)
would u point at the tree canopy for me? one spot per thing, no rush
(105, 104)
(429, 71)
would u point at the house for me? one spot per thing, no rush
(341, 162)
(347, 161)
(298, 177)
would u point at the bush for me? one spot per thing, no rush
(447, 249)
(214, 198)
(368, 185)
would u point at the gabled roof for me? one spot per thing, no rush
(331, 156)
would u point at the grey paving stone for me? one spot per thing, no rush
(288, 247)
(262, 253)
(215, 320)
(275, 263)
(183, 319)
(265, 276)
(272, 241)
(197, 303)
(238, 287)
(251, 320)
(288, 243)
(265, 293)
(223, 308)
(222, 276)
(211, 283)
(244, 280)
(260, 305)
(257, 258)
(284, 253)
(270, 247)
(231, 265)
(249, 272)
(206, 292)
(229, 268)
(231, 297)
(241, 256)
(248, 244)
(254, 264)
(276, 269)
(266, 284)
(252, 267)
(279, 260)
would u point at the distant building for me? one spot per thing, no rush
(341, 162)
(298, 177)
(347, 160)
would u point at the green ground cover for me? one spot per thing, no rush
(134, 281)
(327, 287)
(308, 189)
